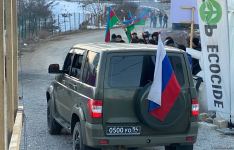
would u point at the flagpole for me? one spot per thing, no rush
(230, 87)
(107, 36)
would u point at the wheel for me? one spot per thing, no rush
(179, 147)
(53, 126)
(173, 118)
(77, 139)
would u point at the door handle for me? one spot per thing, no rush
(63, 82)
(74, 86)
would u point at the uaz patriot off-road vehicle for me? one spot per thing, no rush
(99, 96)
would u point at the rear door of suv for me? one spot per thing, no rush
(83, 86)
(72, 82)
(126, 75)
(61, 88)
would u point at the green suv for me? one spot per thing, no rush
(100, 97)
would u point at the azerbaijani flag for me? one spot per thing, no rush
(129, 29)
(141, 18)
(140, 21)
(111, 21)
(129, 26)
(129, 20)
(165, 88)
(129, 15)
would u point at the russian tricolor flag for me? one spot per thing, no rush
(165, 88)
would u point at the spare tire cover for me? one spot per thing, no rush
(178, 113)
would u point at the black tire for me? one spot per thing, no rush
(53, 126)
(77, 139)
(179, 147)
(174, 116)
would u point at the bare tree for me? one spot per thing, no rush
(39, 8)
(34, 15)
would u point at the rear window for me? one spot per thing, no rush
(137, 71)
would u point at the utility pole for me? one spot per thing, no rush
(191, 22)
(9, 66)
(3, 127)
(15, 58)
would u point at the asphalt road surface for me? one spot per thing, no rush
(34, 80)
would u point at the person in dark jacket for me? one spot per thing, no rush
(119, 39)
(180, 46)
(196, 68)
(145, 36)
(135, 38)
(154, 38)
(165, 19)
(155, 20)
(113, 38)
(169, 42)
(141, 41)
(196, 65)
(196, 44)
(151, 18)
(160, 17)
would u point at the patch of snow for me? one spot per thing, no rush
(69, 16)
(60, 7)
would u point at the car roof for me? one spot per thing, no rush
(119, 47)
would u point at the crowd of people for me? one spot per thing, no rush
(158, 16)
(148, 38)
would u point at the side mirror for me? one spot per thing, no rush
(54, 68)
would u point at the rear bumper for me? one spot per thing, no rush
(95, 133)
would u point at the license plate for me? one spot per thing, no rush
(123, 130)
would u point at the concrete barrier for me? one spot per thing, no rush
(17, 128)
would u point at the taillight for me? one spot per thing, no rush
(190, 138)
(95, 108)
(103, 142)
(195, 107)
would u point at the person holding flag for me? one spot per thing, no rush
(165, 88)
(112, 20)
(128, 26)
(141, 18)
(131, 22)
